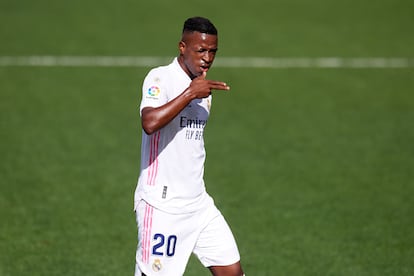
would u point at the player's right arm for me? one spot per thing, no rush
(155, 118)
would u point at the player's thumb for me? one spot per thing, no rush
(203, 75)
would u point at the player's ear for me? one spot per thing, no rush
(181, 47)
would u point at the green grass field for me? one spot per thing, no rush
(313, 168)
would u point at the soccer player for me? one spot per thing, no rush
(175, 215)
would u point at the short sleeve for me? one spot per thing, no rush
(154, 90)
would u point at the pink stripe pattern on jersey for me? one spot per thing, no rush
(146, 233)
(153, 159)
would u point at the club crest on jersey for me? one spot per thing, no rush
(153, 92)
(156, 266)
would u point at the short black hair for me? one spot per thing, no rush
(199, 24)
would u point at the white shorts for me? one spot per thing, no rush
(166, 241)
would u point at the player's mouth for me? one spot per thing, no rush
(204, 68)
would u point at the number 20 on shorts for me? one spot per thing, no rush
(163, 245)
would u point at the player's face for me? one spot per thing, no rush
(197, 53)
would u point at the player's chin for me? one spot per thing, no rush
(198, 73)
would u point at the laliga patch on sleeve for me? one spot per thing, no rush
(153, 92)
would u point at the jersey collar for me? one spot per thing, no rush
(180, 69)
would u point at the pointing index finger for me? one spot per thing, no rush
(219, 85)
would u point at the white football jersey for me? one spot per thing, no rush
(172, 159)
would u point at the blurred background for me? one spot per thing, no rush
(312, 166)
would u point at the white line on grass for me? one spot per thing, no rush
(233, 62)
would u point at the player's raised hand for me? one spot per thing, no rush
(217, 85)
(201, 87)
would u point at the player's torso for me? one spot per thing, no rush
(173, 160)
